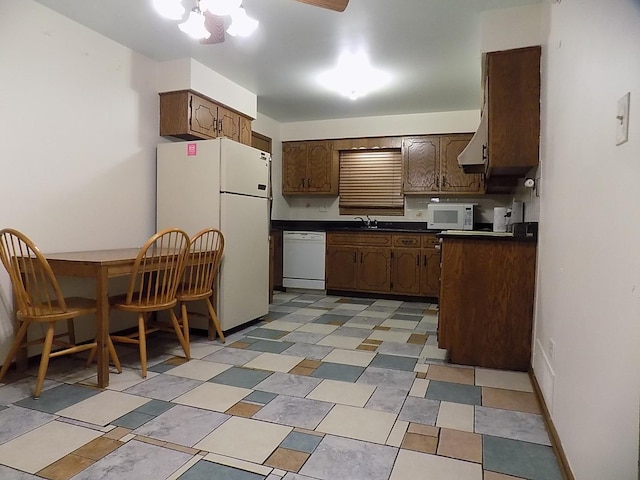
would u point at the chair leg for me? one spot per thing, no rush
(113, 354)
(92, 354)
(142, 344)
(183, 342)
(71, 331)
(187, 335)
(214, 319)
(44, 361)
(15, 346)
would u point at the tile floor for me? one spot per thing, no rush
(325, 388)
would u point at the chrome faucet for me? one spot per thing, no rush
(364, 222)
(369, 222)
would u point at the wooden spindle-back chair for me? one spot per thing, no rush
(200, 277)
(39, 300)
(155, 277)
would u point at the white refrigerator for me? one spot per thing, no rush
(222, 184)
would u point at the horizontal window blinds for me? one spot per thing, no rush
(371, 182)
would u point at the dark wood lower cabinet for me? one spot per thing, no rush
(430, 272)
(275, 264)
(486, 302)
(406, 269)
(374, 269)
(379, 262)
(342, 267)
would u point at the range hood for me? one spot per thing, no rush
(473, 159)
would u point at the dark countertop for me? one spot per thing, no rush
(528, 231)
(524, 232)
(351, 225)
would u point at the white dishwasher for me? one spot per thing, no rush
(303, 259)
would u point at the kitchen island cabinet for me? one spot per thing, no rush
(486, 301)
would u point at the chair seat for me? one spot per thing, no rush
(187, 294)
(119, 302)
(76, 306)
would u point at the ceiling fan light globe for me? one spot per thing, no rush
(171, 9)
(241, 24)
(194, 26)
(220, 7)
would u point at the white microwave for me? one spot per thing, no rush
(450, 216)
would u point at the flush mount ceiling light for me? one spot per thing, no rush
(353, 76)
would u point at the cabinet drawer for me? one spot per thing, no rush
(406, 241)
(430, 241)
(366, 239)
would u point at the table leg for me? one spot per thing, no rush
(102, 327)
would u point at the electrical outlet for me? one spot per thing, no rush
(551, 349)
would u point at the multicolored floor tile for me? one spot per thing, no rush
(321, 388)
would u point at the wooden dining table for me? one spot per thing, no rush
(101, 265)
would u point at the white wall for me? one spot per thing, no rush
(79, 125)
(588, 298)
(389, 125)
(509, 28)
(186, 73)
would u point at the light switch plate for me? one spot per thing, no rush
(622, 119)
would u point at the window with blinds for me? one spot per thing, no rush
(371, 182)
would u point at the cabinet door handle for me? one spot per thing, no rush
(360, 257)
(302, 183)
(418, 260)
(425, 260)
(308, 182)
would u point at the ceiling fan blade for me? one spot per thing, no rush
(215, 25)
(337, 5)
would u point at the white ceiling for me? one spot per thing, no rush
(431, 47)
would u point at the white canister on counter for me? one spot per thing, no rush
(500, 219)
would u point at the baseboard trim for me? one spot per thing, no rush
(556, 444)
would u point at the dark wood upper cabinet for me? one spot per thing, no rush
(452, 177)
(513, 109)
(420, 163)
(309, 167)
(430, 164)
(190, 116)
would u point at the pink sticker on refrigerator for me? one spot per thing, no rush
(192, 149)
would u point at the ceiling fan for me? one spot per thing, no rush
(207, 20)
